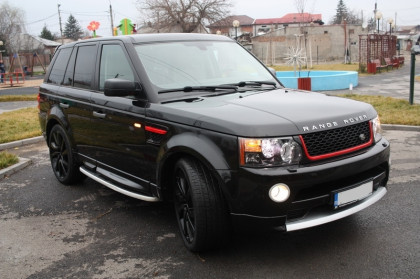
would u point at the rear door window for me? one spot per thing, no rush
(85, 66)
(59, 67)
(68, 77)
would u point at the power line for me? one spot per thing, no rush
(39, 20)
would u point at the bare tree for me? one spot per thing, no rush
(11, 26)
(184, 15)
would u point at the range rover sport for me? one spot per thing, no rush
(199, 121)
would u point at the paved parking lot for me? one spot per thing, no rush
(87, 231)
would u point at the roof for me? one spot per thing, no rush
(227, 21)
(290, 18)
(157, 37)
(46, 42)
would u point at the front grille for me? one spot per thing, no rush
(331, 142)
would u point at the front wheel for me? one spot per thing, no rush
(62, 158)
(200, 211)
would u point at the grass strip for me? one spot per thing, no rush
(17, 98)
(391, 110)
(7, 159)
(19, 124)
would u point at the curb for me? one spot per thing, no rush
(18, 143)
(23, 163)
(389, 127)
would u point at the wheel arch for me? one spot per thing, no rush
(56, 116)
(194, 146)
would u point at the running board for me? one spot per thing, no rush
(116, 188)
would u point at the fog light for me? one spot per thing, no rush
(279, 192)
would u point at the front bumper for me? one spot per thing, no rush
(319, 217)
(312, 187)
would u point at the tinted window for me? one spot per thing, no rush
(68, 77)
(59, 67)
(85, 66)
(114, 64)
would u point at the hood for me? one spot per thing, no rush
(263, 114)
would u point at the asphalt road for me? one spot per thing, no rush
(88, 231)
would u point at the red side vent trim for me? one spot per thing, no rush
(155, 130)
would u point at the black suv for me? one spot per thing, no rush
(197, 120)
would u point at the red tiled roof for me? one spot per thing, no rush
(290, 18)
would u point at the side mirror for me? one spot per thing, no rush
(116, 87)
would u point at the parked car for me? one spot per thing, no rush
(199, 121)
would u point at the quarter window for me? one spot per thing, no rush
(85, 66)
(114, 64)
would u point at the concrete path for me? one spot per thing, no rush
(392, 83)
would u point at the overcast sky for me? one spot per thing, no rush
(40, 12)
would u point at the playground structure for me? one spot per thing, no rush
(377, 47)
(16, 73)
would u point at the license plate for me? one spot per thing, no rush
(353, 195)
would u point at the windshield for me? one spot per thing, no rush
(172, 65)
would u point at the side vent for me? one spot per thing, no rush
(154, 134)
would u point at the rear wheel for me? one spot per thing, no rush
(200, 210)
(62, 158)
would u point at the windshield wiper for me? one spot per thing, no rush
(199, 88)
(254, 83)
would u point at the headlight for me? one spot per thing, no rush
(376, 128)
(269, 152)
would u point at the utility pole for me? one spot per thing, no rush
(59, 19)
(112, 19)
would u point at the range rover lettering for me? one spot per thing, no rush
(198, 121)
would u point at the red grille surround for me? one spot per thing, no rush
(336, 142)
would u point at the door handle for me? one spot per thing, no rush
(64, 105)
(99, 115)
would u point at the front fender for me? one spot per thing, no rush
(217, 152)
(205, 148)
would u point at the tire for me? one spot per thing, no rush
(62, 158)
(200, 211)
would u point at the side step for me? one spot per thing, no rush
(116, 188)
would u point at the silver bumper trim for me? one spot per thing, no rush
(118, 189)
(319, 218)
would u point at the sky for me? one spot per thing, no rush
(45, 12)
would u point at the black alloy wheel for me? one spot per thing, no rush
(62, 158)
(200, 211)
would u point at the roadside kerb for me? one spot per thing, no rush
(400, 127)
(23, 163)
(13, 144)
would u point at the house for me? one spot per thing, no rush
(225, 26)
(265, 25)
(25, 43)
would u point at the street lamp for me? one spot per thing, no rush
(236, 24)
(378, 16)
(391, 23)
